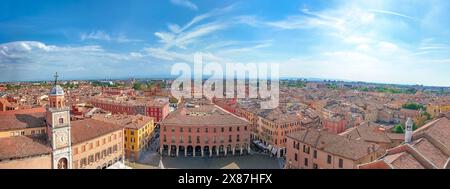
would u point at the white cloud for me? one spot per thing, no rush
(21, 59)
(185, 3)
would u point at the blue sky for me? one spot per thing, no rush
(397, 41)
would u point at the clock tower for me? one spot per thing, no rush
(58, 127)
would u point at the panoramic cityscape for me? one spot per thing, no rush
(191, 84)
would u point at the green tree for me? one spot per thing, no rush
(137, 86)
(413, 106)
(398, 129)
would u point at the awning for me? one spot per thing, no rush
(274, 151)
(118, 165)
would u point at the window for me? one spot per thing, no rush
(181, 139)
(97, 156)
(237, 128)
(206, 130)
(198, 130)
(164, 129)
(295, 156)
(306, 162)
(132, 132)
(173, 138)
(215, 130)
(245, 128)
(230, 129)
(198, 139)
(61, 120)
(164, 138)
(173, 129)
(91, 146)
(237, 138)
(315, 154)
(189, 139)
(189, 130)
(181, 129)
(341, 163)
(229, 138)
(91, 159)
(315, 166)
(223, 129)
(97, 143)
(83, 162)
(329, 159)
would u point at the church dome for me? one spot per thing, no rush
(57, 90)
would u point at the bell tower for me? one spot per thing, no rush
(58, 127)
(408, 130)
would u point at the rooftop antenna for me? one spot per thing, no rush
(56, 77)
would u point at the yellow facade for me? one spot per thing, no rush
(435, 110)
(23, 132)
(137, 139)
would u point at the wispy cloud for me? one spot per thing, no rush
(181, 37)
(392, 13)
(185, 3)
(103, 36)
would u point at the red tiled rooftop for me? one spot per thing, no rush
(22, 146)
(206, 115)
(21, 119)
(88, 129)
(334, 144)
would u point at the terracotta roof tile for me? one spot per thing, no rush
(22, 146)
(88, 129)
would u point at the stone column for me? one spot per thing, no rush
(234, 149)
(193, 153)
(160, 151)
(185, 151)
(226, 151)
(210, 152)
(178, 148)
(217, 152)
(248, 149)
(202, 151)
(241, 150)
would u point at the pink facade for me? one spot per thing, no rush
(178, 140)
(335, 126)
(158, 112)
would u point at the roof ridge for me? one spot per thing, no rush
(420, 157)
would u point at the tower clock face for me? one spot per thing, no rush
(61, 139)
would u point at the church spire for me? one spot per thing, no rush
(56, 78)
